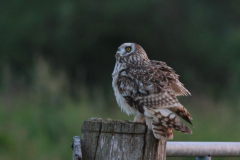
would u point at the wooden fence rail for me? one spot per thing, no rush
(120, 140)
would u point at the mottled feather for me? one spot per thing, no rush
(149, 88)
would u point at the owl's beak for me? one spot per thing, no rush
(118, 52)
(117, 55)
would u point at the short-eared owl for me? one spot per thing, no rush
(148, 89)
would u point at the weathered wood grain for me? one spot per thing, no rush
(151, 146)
(76, 145)
(119, 140)
(161, 151)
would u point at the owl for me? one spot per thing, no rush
(148, 89)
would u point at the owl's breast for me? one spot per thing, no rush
(122, 103)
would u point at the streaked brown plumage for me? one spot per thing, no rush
(148, 89)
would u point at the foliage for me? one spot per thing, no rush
(56, 60)
(40, 121)
(199, 39)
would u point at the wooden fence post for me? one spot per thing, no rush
(76, 146)
(119, 140)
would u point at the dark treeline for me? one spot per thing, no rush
(57, 57)
(199, 39)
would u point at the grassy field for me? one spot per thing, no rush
(38, 122)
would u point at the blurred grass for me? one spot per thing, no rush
(39, 121)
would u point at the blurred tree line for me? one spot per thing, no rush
(199, 39)
(57, 57)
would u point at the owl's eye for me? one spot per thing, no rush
(128, 49)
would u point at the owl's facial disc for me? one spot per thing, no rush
(126, 49)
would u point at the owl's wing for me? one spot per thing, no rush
(142, 85)
(173, 78)
(150, 84)
(150, 92)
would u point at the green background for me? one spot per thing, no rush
(56, 60)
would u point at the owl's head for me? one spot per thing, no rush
(127, 50)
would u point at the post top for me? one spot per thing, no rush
(113, 126)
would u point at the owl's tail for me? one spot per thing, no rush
(161, 121)
(182, 112)
(161, 132)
